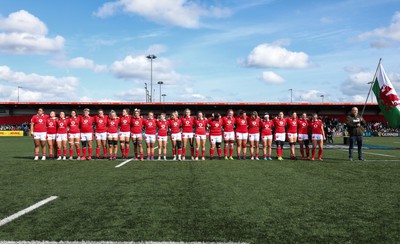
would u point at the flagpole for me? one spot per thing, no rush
(370, 88)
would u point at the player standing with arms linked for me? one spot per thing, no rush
(228, 125)
(215, 135)
(100, 121)
(201, 135)
(150, 125)
(112, 134)
(280, 135)
(38, 130)
(304, 141)
(317, 137)
(176, 135)
(162, 136)
(125, 132)
(61, 137)
(187, 133)
(292, 134)
(51, 125)
(266, 135)
(242, 133)
(137, 133)
(74, 135)
(254, 135)
(87, 122)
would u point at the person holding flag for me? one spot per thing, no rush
(355, 128)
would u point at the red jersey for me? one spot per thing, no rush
(303, 126)
(150, 126)
(112, 125)
(51, 124)
(39, 123)
(187, 124)
(254, 125)
(62, 125)
(162, 126)
(101, 123)
(125, 123)
(279, 125)
(137, 125)
(215, 127)
(266, 127)
(200, 125)
(291, 125)
(87, 124)
(241, 125)
(175, 125)
(316, 127)
(228, 124)
(74, 125)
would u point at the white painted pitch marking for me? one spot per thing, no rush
(27, 210)
(378, 154)
(156, 147)
(112, 242)
(123, 163)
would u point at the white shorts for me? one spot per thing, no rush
(302, 137)
(74, 135)
(101, 136)
(112, 135)
(61, 137)
(229, 136)
(280, 136)
(292, 135)
(162, 138)
(176, 136)
(242, 136)
(40, 135)
(187, 135)
(86, 136)
(124, 134)
(201, 137)
(137, 136)
(254, 137)
(317, 137)
(267, 137)
(215, 139)
(51, 136)
(150, 138)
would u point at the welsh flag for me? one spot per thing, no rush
(387, 98)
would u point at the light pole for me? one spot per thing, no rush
(164, 95)
(19, 87)
(160, 83)
(291, 95)
(322, 96)
(147, 92)
(151, 57)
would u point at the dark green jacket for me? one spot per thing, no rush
(352, 128)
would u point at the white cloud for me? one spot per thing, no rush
(134, 95)
(274, 56)
(387, 36)
(183, 13)
(272, 78)
(308, 96)
(138, 67)
(356, 84)
(23, 33)
(37, 87)
(81, 63)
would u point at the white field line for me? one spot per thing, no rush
(378, 154)
(123, 163)
(156, 147)
(27, 210)
(112, 242)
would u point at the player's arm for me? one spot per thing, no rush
(323, 131)
(31, 131)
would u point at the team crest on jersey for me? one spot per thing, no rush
(229, 122)
(163, 126)
(216, 125)
(294, 123)
(51, 123)
(73, 123)
(150, 124)
(315, 126)
(136, 122)
(243, 122)
(187, 122)
(101, 121)
(40, 120)
(85, 121)
(280, 122)
(112, 123)
(200, 125)
(254, 123)
(61, 124)
(175, 124)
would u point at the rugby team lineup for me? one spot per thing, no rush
(63, 135)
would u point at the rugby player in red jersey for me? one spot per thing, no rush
(112, 134)
(125, 132)
(292, 134)
(176, 135)
(61, 137)
(100, 120)
(200, 125)
(137, 133)
(228, 124)
(87, 122)
(215, 135)
(266, 136)
(150, 125)
(304, 141)
(187, 133)
(254, 135)
(242, 133)
(38, 130)
(74, 135)
(162, 136)
(317, 136)
(51, 125)
(280, 135)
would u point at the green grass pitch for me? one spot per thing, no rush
(334, 201)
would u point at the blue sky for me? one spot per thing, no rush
(215, 50)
